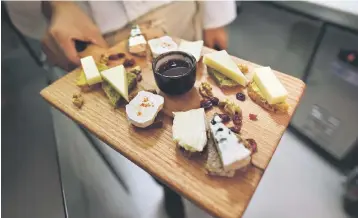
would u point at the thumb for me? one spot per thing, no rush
(69, 49)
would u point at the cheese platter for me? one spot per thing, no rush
(213, 144)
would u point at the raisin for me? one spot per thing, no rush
(236, 119)
(235, 129)
(252, 116)
(214, 101)
(240, 96)
(128, 62)
(206, 104)
(139, 78)
(224, 118)
(118, 56)
(121, 55)
(252, 144)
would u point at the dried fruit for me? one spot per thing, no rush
(77, 100)
(252, 116)
(128, 62)
(252, 144)
(206, 104)
(224, 118)
(243, 68)
(136, 70)
(214, 101)
(237, 120)
(139, 77)
(117, 56)
(240, 96)
(235, 129)
(205, 90)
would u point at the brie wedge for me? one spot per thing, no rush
(90, 70)
(193, 48)
(269, 85)
(233, 154)
(142, 109)
(222, 62)
(117, 77)
(162, 45)
(137, 44)
(189, 129)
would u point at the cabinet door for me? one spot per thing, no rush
(328, 113)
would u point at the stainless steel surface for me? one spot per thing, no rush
(343, 13)
(330, 98)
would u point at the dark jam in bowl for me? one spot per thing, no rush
(175, 72)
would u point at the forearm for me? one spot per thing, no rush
(51, 7)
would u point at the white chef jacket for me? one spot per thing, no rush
(113, 15)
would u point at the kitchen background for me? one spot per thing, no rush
(307, 173)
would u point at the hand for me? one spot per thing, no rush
(217, 37)
(68, 23)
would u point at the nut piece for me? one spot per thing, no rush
(243, 68)
(136, 70)
(205, 90)
(77, 100)
(103, 59)
(232, 108)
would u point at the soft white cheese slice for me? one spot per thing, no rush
(143, 109)
(233, 154)
(90, 70)
(270, 85)
(117, 77)
(162, 45)
(189, 129)
(193, 48)
(137, 44)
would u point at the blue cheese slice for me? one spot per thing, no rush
(189, 129)
(143, 109)
(233, 154)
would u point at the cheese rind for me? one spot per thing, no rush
(233, 154)
(222, 62)
(90, 70)
(189, 129)
(269, 85)
(117, 77)
(193, 48)
(143, 109)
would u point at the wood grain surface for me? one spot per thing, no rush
(154, 151)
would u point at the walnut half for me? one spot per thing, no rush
(77, 100)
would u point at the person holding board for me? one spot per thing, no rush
(59, 26)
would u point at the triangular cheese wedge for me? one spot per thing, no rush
(117, 77)
(193, 48)
(222, 62)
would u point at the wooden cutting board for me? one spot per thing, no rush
(154, 151)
